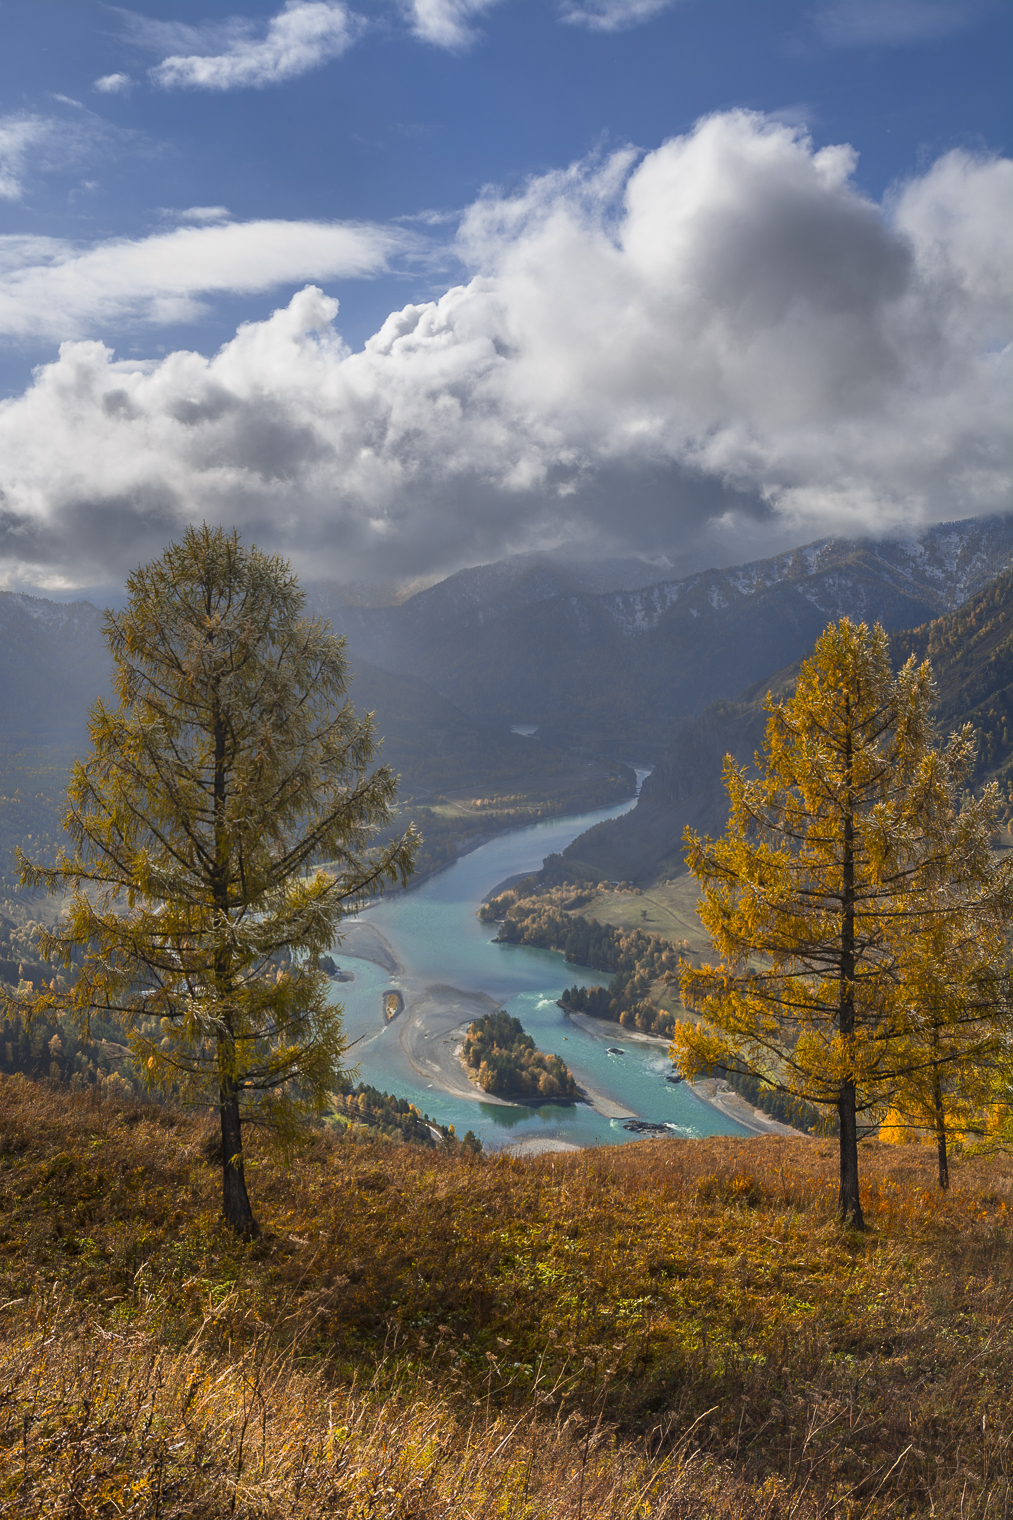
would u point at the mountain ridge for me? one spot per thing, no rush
(637, 663)
(971, 651)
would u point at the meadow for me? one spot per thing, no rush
(667, 1329)
(666, 907)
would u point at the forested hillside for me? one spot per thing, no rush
(33, 782)
(972, 655)
(971, 651)
(56, 665)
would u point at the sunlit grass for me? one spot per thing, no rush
(670, 1328)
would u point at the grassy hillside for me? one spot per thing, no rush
(668, 1329)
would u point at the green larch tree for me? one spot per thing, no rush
(232, 771)
(841, 858)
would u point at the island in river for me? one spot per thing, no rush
(502, 1059)
(429, 943)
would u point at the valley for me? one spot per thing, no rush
(470, 778)
(454, 1236)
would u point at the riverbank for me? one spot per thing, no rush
(433, 1040)
(434, 1025)
(716, 1094)
(734, 1106)
(435, 1021)
(364, 941)
(432, 947)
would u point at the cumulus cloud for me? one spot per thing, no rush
(302, 36)
(723, 330)
(114, 84)
(447, 23)
(891, 23)
(613, 15)
(54, 289)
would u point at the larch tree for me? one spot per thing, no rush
(955, 975)
(224, 823)
(849, 849)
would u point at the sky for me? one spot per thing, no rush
(398, 288)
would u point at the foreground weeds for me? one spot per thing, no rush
(669, 1328)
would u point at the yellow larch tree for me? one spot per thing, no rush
(853, 845)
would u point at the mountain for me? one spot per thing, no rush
(54, 665)
(522, 641)
(481, 583)
(971, 651)
(626, 672)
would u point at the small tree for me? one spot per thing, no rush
(840, 862)
(232, 768)
(955, 973)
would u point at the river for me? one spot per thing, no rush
(443, 950)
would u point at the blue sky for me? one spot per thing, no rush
(170, 171)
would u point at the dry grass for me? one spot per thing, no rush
(670, 907)
(107, 1424)
(670, 1328)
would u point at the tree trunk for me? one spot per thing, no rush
(235, 1199)
(849, 1203)
(940, 1125)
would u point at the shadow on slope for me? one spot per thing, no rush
(971, 651)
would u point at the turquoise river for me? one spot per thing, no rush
(442, 950)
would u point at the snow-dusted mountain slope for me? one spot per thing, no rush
(944, 566)
(521, 641)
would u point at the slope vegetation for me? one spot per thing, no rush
(669, 1329)
(972, 655)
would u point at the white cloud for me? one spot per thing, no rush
(724, 330)
(32, 145)
(204, 214)
(114, 84)
(55, 289)
(19, 135)
(891, 23)
(302, 36)
(447, 23)
(613, 15)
